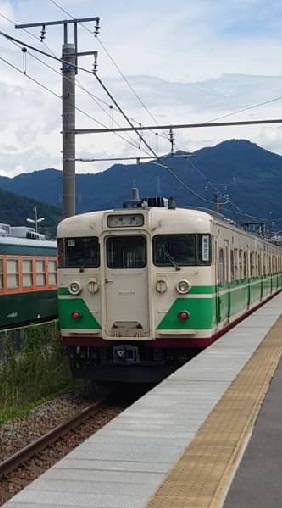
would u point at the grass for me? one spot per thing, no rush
(33, 369)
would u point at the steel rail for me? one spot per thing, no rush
(29, 451)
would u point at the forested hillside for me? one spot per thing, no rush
(15, 209)
(248, 177)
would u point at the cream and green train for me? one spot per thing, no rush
(142, 288)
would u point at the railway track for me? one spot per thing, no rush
(24, 466)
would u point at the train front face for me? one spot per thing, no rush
(130, 316)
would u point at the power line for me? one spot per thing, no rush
(54, 2)
(23, 46)
(159, 160)
(30, 77)
(181, 126)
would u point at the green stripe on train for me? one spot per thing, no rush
(86, 321)
(205, 313)
(201, 310)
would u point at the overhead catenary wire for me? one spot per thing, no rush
(211, 121)
(61, 8)
(96, 99)
(16, 42)
(159, 160)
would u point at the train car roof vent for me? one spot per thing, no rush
(156, 201)
(149, 202)
(160, 202)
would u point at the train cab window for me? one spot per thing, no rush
(12, 274)
(27, 273)
(1, 274)
(79, 252)
(40, 273)
(126, 252)
(182, 250)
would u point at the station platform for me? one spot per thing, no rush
(208, 436)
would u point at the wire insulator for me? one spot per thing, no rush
(97, 27)
(43, 33)
(95, 65)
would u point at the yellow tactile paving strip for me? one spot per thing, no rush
(203, 473)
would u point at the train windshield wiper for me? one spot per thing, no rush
(172, 260)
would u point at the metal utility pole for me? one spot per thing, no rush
(68, 129)
(69, 60)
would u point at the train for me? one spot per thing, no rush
(28, 277)
(144, 287)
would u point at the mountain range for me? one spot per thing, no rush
(246, 177)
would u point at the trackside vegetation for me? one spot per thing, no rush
(33, 368)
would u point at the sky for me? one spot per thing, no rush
(187, 61)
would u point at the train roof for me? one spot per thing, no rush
(25, 242)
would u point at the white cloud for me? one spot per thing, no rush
(189, 62)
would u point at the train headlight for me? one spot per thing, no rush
(74, 288)
(183, 287)
(161, 286)
(93, 286)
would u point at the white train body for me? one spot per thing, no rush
(144, 287)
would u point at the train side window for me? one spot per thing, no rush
(52, 272)
(232, 266)
(221, 268)
(1, 275)
(240, 270)
(245, 266)
(27, 273)
(126, 252)
(259, 264)
(40, 272)
(252, 263)
(236, 264)
(79, 252)
(12, 273)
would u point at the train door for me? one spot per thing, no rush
(220, 284)
(126, 304)
(228, 285)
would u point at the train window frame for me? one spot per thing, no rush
(86, 260)
(120, 260)
(245, 265)
(52, 272)
(221, 267)
(27, 275)
(232, 266)
(40, 272)
(202, 255)
(12, 275)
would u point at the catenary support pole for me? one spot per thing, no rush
(68, 130)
